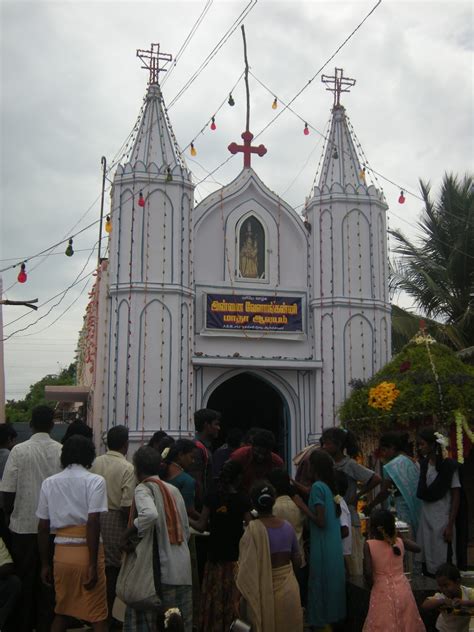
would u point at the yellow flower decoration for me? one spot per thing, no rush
(383, 395)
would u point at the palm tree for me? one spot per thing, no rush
(438, 273)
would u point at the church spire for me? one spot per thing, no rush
(341, 163)
(155, 141)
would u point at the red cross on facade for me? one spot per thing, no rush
(247, 148)
(151, 61)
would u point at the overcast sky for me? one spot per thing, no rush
(72, 87)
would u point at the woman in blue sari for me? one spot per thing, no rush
(401, 476)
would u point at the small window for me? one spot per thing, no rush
(252, 249)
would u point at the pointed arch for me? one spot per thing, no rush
(251, 251)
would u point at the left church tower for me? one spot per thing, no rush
(148, 377)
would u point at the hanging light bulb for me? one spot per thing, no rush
(401, 199)
(169, 176)
(193, 151)
(108, 224)
(69, 250)
(231, 101)
(141, 199)
(22, 276)
(275, 104)
(213, 124)
(306, 129)
(335, 155)
(362, 174)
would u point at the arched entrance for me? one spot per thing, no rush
(245, 401)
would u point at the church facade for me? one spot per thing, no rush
(237, 303)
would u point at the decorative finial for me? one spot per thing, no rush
(338, 84)
(151, 62)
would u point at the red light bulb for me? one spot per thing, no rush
(401, 199)
(22, 276)
(213, 124)
(141, 199)
(306, 129)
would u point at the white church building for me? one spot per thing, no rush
(237, 303)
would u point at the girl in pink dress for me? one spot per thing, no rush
(392, 606)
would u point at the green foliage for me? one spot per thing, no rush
(20, 410)
(438, 271)
(411, 371)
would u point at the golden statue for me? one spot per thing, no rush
(249, 256)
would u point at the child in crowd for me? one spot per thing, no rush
(342, 485)
(392, 605)
(455, 602)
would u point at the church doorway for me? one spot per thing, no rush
(246, 401)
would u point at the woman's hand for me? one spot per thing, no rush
(91, 577)
(46, 575)
(448, 533)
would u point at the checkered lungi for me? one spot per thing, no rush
(113, 525)
(173, 597)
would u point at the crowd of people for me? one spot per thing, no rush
(185, 538)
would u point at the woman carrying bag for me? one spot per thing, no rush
(156, 572)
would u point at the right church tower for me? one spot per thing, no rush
(349, 295)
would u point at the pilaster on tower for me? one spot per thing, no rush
(350, 301)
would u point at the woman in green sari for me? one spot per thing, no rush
(401, 476)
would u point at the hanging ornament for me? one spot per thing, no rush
(169, 176)
(362, 174)
(193, 151)
(306, 129)
(275, 104)
(141, 199)
(22, 276)
(401, 199)
(69, 250)
(213, 124)
(108, 224)
(335, 155)
(231, 101)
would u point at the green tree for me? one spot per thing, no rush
(438, 272)
(20, 410)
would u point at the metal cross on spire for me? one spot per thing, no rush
(247, 149)
(338, 84)
(151, 62)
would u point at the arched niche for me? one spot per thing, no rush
(251, 248)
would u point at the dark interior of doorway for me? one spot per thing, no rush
(246, 401)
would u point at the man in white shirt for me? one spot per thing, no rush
(28, 464)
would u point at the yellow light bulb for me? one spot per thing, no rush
(193, 150)
(275, 104)
(108, 224)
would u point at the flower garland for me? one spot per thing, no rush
(458, 418)
(461, 426)
(383, 396)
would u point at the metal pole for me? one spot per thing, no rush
(103, 162)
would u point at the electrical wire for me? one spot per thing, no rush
(187, 41)
(63, 293)
(214, 51)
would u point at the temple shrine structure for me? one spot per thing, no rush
(237, 303)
